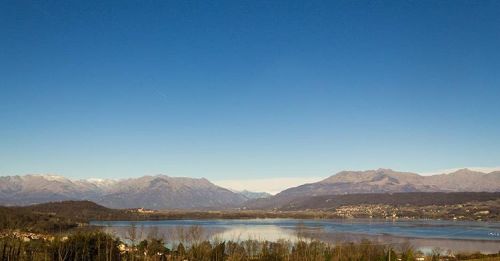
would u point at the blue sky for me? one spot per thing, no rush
(247, 89)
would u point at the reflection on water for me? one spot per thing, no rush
(270, 233)
(423, 235)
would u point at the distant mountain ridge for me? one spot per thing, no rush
(164, 192)
(385, 181)
(154, 192)
(252, 195)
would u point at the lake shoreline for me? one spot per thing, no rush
(456, 235)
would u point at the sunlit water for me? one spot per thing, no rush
(424, 235)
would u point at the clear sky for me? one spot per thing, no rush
(247, 89)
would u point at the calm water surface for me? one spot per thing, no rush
(422, 234)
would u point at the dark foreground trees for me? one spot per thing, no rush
(96, 245)
(93, 245)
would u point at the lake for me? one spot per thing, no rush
(424, 235)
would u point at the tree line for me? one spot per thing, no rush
(101, 246)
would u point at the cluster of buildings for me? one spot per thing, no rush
(145, 211)
(26, 236)
(367, 211)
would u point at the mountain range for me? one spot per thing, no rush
(164, 192)
(151, 192)
(385, 181)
